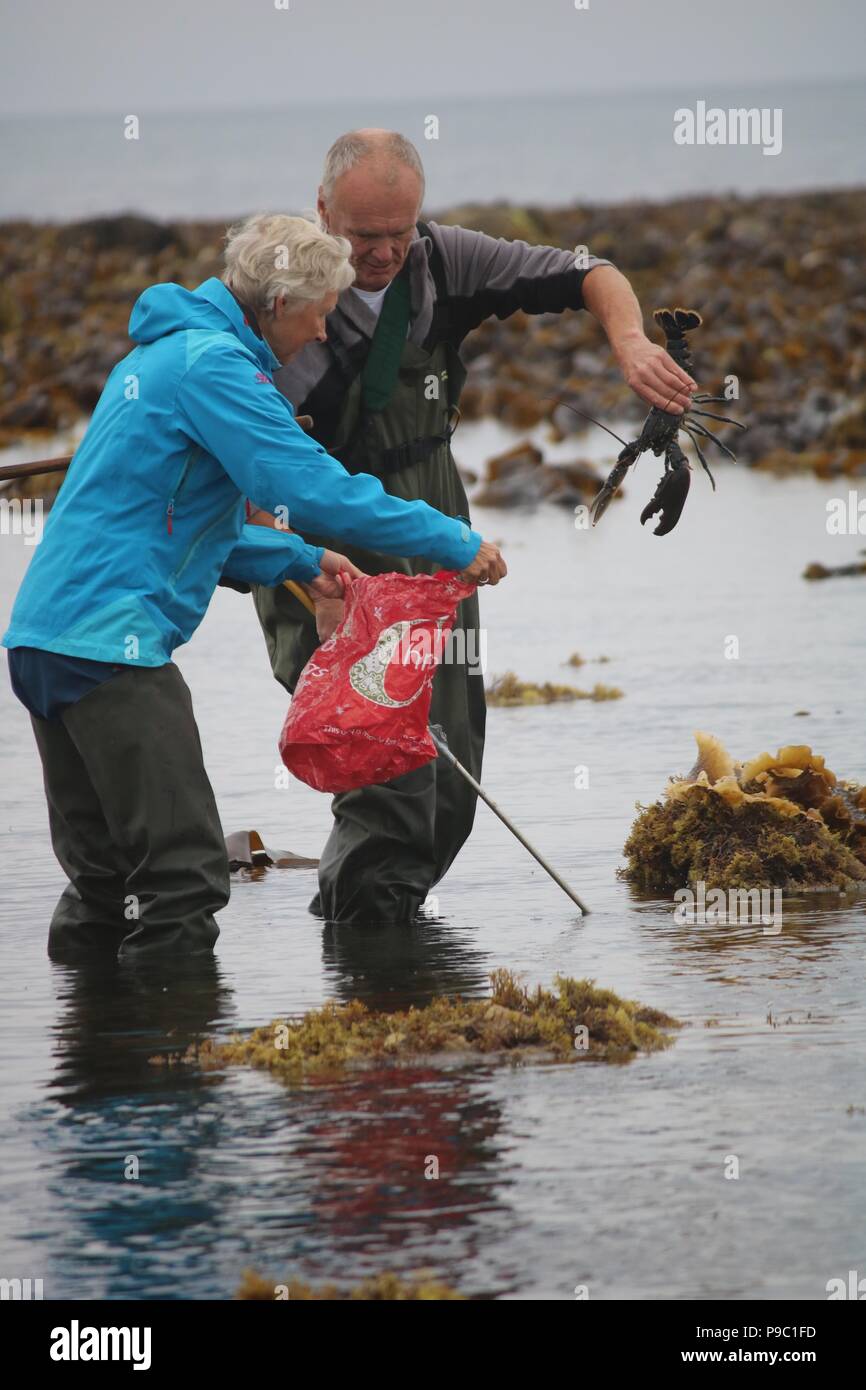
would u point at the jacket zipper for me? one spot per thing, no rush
(178, 488)
(198, 540)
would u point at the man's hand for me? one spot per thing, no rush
(650, 371)
(488, 567)
(654, 375)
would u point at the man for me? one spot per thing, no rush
(149, 519)
(382, 392)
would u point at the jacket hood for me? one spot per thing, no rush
(210, 308)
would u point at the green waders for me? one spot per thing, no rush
(133, 820)
(391, 843)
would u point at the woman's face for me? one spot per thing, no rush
(287, 330)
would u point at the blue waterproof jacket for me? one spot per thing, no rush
(151, 513)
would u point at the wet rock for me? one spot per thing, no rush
(128, 232)
(520, 478)
(34, 411)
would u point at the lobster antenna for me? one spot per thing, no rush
(557, 400)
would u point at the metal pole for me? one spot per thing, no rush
(446, 751)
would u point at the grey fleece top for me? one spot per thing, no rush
(483, 276)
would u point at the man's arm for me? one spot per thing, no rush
(646, 367)
(488, 275)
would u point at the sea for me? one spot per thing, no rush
(548, 150)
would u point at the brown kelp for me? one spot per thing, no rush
(818, 571)
(420, 1288)
(508, 690)
(572, 1023)
(780, 820)
(779, 277)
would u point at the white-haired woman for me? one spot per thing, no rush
(151, 516)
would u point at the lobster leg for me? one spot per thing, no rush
(700, 454)
(709, 435)
(725, 419)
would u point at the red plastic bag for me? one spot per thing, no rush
(360, 710)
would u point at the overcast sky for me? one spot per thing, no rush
(164, 55)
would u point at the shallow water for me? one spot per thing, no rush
(550, 1177)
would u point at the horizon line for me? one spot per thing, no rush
(652, 89)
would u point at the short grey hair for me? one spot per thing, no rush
(270, 255)
(349, 150)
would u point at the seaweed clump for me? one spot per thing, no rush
(508, 690)
(577, 1022)
(818, 571)
(783, 821)
(378, 1287)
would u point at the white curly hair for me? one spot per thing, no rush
(270, 255)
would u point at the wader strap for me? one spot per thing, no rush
(437, 266)
(415, 451)
(382, 366)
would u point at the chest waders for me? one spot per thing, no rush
(391, 843)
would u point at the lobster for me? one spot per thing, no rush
(659, 435)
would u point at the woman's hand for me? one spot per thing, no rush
(488, 567)
(330, 584)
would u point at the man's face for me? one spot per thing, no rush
(377, 216)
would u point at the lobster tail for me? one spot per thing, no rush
(677, 321)
(675, 324)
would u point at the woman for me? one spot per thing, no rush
(150, 518)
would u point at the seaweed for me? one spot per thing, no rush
(386, 1286)
(819, 571)
(509, 691)
(782, 820)
(578, 1022)
(577, 660)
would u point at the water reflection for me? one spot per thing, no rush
(809, 930)
(128, 1145)
(113, 1018)
(408, 1170)
(394, 967)
(389, 1169)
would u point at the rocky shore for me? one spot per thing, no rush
(778, 280)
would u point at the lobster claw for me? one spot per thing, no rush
(669, 497)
